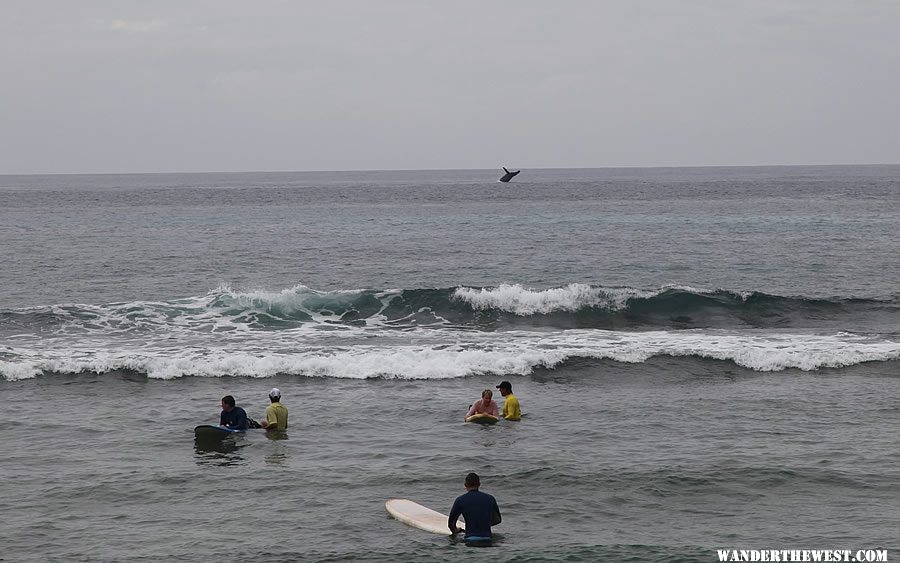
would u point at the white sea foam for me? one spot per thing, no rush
(294, 296)
(573, 297)
(431, 353)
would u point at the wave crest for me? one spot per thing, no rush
(573, 297)
(505, 307)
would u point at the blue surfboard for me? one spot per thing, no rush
(213, 431)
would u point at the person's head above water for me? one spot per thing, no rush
(487, 394)
(505, 388)
(227, 403)
(472, 482)
(275, 394)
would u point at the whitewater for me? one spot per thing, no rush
(362, 334)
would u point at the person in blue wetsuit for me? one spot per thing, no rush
(479, 509)
(232, 416)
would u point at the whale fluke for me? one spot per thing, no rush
(509, 175)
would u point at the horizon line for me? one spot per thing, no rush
(626, 167)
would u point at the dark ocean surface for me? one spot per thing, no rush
(707, 358)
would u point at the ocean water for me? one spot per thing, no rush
(707, 358)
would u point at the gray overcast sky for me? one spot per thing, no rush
(228, 85)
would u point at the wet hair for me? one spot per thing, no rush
(487, 392)
(472, 480)
(228, 400)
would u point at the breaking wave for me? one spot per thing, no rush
(442, 333)
(497, 308)
(433, 354)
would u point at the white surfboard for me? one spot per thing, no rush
(482, 418)
(418, 516)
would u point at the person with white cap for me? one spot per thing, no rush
(276, 413)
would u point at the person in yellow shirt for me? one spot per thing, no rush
(511, 409)
(276, 413)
